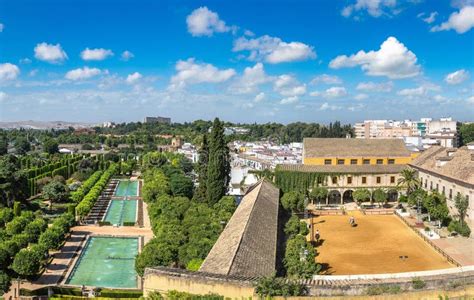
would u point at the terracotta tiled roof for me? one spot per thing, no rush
(338, 169)
(329, 147)
(459, 165)
(247, 246)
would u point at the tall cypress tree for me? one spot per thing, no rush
(200, 194)
(218, 171)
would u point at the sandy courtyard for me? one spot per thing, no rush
(373, 247)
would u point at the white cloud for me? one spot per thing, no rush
(457, 77)
(332, 92)
(361, 96)
(33, 72)
(204, 22)
(289, 100)
(8, 71)
(133, 78)
(260, 97)
(375, 8)
(96, 54)
(127, 55)
(470, 99)
(422, 90)
(461, 21)
(326, 79)
(82, 73)
(392, 60)
(430, 19)
(375, 87)
(50, 53)
(2, 27)
(273, 50)
(191, 72)
(287, 85)
(419, 91)
(250, 80)
(327, 106)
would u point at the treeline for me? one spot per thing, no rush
(185, 229)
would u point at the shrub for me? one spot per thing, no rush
(194, 264)
(16, 226)
(383, 289)
(276, 286)
(293, 201)
(128, 224)
(26, 263)
(5, 282)
(462, 229)
(6, 215)
(417, 283)
(16, 208)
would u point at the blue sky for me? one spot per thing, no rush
(243, 61)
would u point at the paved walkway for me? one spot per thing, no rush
(62, 260)
(111, 230)
(461, 249)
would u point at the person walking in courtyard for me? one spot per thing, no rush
(317, 236)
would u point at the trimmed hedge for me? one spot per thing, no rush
(78, 195)
(84, 207)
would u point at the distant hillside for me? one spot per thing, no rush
(43, 125)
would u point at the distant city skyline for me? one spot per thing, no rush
(95, 61)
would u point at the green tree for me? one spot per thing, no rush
(466, 132)
(50, 146)
(218, 172)
(278, 286)
(200, 194)
(409, 180)
(13, 180)
(55, 191)
(361, 195)
(461, 203)
(436, 206)
(155, 253)
(16, 209)
(3, 143)
(26, 263)
(293, 201)
(318, 194)
(294, 227)
(299, 258)
(380, 196)
(181, 185)
(5, 282)
(22, 146)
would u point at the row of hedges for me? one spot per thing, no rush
(64, 292)
(84, 207)
(77, 195)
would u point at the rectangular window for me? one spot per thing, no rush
(379, 161)
(444, 191)
(364, 180)
(379, 179)
(366, 161)
(450, 193)
(327, 161)
(340, 161)
(349, 180)
(392, 179)
(391, 161)
(431, 185)
(334, 180)
(353, 161)
(437, 187)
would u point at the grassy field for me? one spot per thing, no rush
(379, 244)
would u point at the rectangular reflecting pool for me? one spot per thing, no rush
(127, 188)
(121, 211)
(106, 262)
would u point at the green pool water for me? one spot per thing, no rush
(127, 188)
(106, 262)
(121, 211)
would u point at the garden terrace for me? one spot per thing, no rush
(100, 207)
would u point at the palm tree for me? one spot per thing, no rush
(409, 180)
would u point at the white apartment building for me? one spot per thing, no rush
(441, 132)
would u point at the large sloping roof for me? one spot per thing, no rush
(248, 245)
(459, 165)
(340, 147)
(343, 169)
